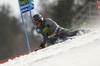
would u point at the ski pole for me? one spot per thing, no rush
(67, 29)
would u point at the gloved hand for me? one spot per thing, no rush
(42, 45)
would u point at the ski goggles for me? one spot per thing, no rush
(36, 22)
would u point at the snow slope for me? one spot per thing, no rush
(81, 51)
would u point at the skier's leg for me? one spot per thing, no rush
(67, 33)
(52, 40)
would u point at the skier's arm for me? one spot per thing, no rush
(42, 45)
(41, 36)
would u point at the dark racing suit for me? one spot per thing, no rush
(50, 27)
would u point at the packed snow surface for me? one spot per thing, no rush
(82, 50)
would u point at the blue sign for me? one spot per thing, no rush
(25, 6)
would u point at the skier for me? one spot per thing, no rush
(46, 27)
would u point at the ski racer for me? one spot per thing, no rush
(46, 27)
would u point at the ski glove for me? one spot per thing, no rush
(42, 45)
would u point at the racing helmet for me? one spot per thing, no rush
(37, 17)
